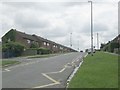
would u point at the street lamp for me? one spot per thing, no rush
(91, 28)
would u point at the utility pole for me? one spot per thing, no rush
(71, 40)
(97, 41)
(78, 45)
(91, 28)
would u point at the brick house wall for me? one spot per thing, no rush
(27, 40)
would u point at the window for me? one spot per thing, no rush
(56, 46)
(48, 44)
(61, 47)
(28, 41)
(44, 43)
(53, 45)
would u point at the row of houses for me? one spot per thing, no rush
(28, 40)
(112, 46)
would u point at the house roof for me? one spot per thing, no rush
(27, 36)
(38, 38)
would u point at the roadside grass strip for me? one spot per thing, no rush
(7, 63)
(98, 71)
(42, 56)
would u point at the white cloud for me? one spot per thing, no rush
(55, 21)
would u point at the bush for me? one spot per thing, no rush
(43, 51)
(34, 45)
(13, 48)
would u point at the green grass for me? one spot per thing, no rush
(8, 63)
(42, 56)
(98, 71)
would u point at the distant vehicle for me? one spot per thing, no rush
(81, 51)
(89, 51)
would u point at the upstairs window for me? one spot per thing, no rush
(48, 44)
(56, 46)
(61, 47)
(28, 41)
(53, 45)
(44, 43)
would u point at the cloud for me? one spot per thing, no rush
(56, 20)
(26, 21)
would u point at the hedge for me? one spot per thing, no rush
(13, 47)
(41, 50)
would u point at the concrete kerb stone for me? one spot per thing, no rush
(74, 71)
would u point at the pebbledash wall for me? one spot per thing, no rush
(27, 40)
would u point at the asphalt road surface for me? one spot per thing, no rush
(51, 72)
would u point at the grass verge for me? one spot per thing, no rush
(7, 63)
(42, 56)
(98, 71)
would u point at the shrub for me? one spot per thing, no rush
(43, 51)
(13, 47)
(34, 45)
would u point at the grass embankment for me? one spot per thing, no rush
(98, 71)
(6, 63)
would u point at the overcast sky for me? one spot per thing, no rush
(55, 20)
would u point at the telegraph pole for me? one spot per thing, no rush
(71, 40)
(91, 27)
(78, 45)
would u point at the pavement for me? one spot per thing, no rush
(51, 72)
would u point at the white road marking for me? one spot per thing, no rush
(7, 70)
(50, 78)
(86, 55)
(55, 82)
(46, 85)
(62, 70)
(24, 64)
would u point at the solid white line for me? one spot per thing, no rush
(86, 55)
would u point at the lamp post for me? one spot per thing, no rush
(91, 28)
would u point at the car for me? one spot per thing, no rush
(81, 51)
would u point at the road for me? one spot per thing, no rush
(51, 72)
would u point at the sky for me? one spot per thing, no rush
(56, 19)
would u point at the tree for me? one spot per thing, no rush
(34, 45)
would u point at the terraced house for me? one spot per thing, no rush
(112, 46)
(29, 40)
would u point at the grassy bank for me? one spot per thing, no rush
(98, 71)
